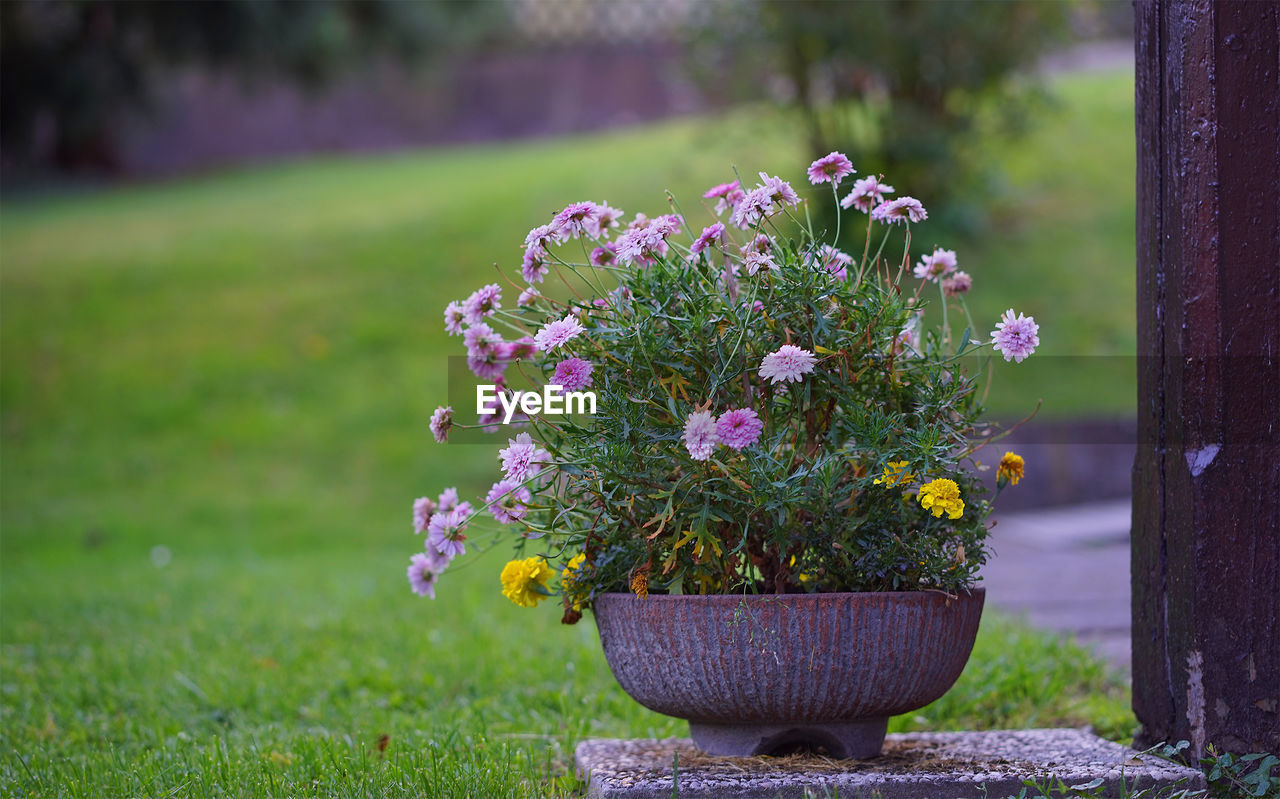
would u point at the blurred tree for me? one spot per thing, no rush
(69, 69)
(900, 86)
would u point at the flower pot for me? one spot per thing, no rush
(771, 673)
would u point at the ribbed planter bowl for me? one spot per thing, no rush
(768, 674)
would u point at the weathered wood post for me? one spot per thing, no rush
(1206, 501)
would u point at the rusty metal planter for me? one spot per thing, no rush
(765, 674)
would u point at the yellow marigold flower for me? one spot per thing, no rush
(524, 582)
(568, 580)
(1010, 470)
(640, 584)
(894, 473)
(942, 495)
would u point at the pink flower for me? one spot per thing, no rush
(423, 507)
(726, 195)
(603, 256)
(867, 193)
(528, 297)
(762, 243)
(957, 283)
(481, 340)
(573, 374)
(936, 265)
(487, 367)
(444, 533)
(576, 219)
(739, 428)
(831, 168)
(712, 234)
(514, 350)
(543, 236)
(700, 435)
(522, 459)
(752, 208)
(758, 262)
(788, 363)
(780, 191)
(1015, 339)
(835, 261)
(422, 575)
(483, 302)
(535, 266)
(453, 318)
(554, 334)
(448, 499)
(721, 191)
(903, 209)
(642, 244)
(508, 501)
(441, 422)
(605, 219)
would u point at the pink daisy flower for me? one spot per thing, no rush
(441, 422)
(423, 507)
(522, 459)
(535, 266)
(727, 196)
(556, 333)
(780, 191)
(712, 234)
(508, 501)
(487, 367)
(758, 262)
(721, 191)
(605, 219)
(835, 261)
(788, 363)
(573, 374)
(752, 208)
(903, 209)
(576, 218)
(543, 236)
(522, 347)
(528, 297)
(454, 316)
(483, 302)
(831, 168)
(481, 339)
(761, 243)
(1015, 339)
(444, 533)
(422, 575)
(739, 428)
(867, 193)
(700, 435)
(957, 283)
(448, 500)
(936, 265)
(603, 256)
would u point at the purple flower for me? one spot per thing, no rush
(423, 575)
(727, 196)
(700, 435)
(834, 261)
(535, 266)
(957, 283)
(441, 422)
(576, 219)
(936, 265)
(753, 207)
(1015, 338)
(543, 236)
(481, 340)
(448, 500)
(780, 191)
(483, 302)
(867, 193)
(522, 347)
(758, 262)
(603, 256)
(903, 209)
(739, 428)
(527, 297)
(788, 363)
(763, 243)
(522, 458)
(721, 191)
(487, 367)
(557, 333)
(444, 533)
(605, 218)
(712, 234)
(642, 244)
(831, 168)
(423, 507)
(454, 316)
(508, 501)
(573, 374)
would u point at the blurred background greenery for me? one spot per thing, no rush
(214, 381)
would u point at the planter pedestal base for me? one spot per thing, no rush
(856, 739)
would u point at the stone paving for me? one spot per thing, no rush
(939, 765)
(1066, 569)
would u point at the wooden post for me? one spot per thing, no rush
(1206, 482)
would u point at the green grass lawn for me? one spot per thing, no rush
(239, 369)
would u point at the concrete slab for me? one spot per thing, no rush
(943, 765)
